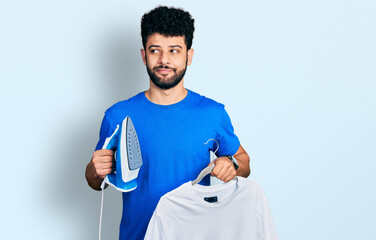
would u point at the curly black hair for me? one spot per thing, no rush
(168, 21)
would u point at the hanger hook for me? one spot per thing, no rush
(215, 141)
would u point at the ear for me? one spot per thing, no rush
(190, 56)
(143, 55)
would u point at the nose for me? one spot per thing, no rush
(164, 59)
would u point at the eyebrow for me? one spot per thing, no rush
(174, 46)
(171, 46)
(154, 46)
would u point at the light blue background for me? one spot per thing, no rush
(297, 77)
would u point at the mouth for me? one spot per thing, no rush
(164, 70)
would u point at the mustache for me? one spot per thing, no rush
(163, 66)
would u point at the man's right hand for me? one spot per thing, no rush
(102, 162)
(100, 165)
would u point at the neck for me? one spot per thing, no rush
(166, 96)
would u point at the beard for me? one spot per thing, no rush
(166, 83)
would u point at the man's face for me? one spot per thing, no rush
(166, 60)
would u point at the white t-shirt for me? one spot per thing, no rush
(234, 210)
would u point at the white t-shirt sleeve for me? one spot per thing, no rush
(266, 229)
(155, 229)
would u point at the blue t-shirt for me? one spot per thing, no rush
(172, 145)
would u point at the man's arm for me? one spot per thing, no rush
(243, 160)
(224, 169)
(99, 166)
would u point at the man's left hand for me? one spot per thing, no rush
(224, 169)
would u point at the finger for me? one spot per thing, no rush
(230, 173)
(222, 173)
(102, 159)
(101, 165)
(102, 169)
(102, 173)
(216, 170)
(103, 152)
(230, 176)
(221, 167)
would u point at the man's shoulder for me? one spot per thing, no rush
(118, 111)
(125, 104)
(204, 101)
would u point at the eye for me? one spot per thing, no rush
(174, 51)
(154, 51)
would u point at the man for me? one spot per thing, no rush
(172, 124)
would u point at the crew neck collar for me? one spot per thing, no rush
(174, 105)
(213, 189)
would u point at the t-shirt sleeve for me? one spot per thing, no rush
(104, 132)
(156, 229)
(228, 141)
(266, 228)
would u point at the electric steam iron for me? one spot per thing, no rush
(127, 156)
(124, 142)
